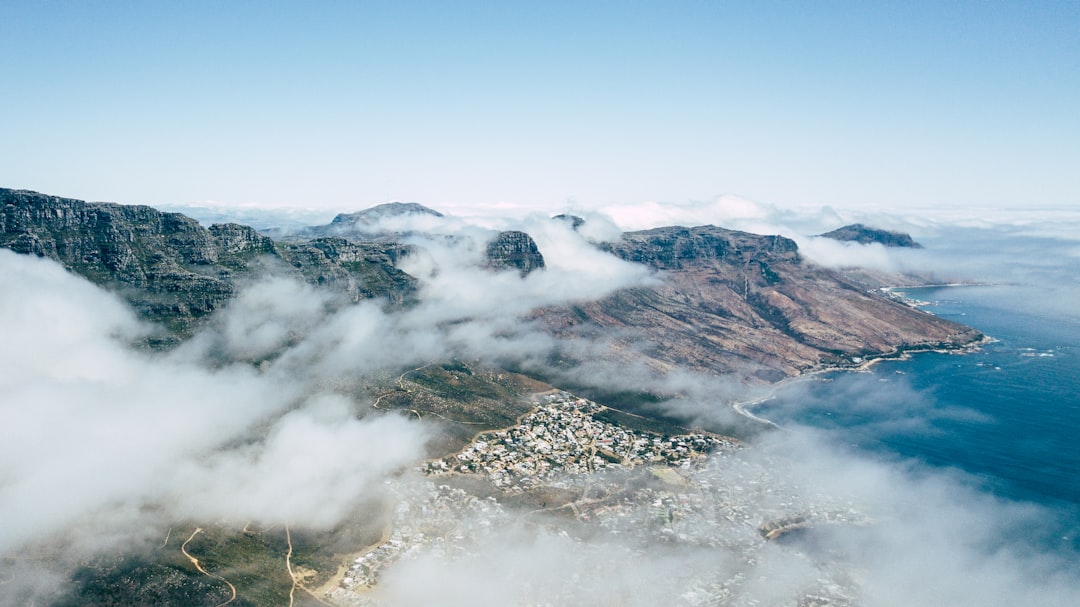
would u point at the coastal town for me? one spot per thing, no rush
(564, 470)
(562, 437)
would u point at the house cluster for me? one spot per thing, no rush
(675, 495)
(429, 519)
(562, 436)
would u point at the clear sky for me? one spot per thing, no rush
(349, 104)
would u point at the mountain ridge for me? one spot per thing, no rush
(727, 301)
(175, 272)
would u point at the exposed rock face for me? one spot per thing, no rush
(675, 247)
(731, 301)
(514, 250)
(174, 271)
(359, 270)
(862, 234)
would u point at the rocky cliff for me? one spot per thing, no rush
(174, 271)
(514, 250)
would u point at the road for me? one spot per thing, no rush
(195, 562)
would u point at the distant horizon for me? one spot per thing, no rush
(554, 207)
(875, 105)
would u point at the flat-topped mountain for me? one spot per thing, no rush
(863, 234)
(174, 271)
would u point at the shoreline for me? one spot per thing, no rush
(865, 366)
(896, 293)
(867, 363)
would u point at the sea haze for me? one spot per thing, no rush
(1007, 415)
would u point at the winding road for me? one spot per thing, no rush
(195, 562)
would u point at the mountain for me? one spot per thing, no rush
(380, 222)
(726, 301)
(396, 221)
(174, 271)
(730, 301)
(862, 234)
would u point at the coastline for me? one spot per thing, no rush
(896, 292)
(865, 365)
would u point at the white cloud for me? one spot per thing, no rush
(315, 465)
(90, 426)
(86, 421)
(721, 211)
(837, 254)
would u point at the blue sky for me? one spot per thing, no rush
(349, 104)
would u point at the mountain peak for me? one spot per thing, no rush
(383, 211)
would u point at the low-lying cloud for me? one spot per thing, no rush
(90, 424)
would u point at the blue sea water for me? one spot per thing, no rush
(1007, 415)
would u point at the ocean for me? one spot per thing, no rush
(1006, 416)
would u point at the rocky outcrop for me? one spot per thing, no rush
(862, 234)
(514, 250)
(174, 271)
(359, 270)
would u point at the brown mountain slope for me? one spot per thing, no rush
(736, 302)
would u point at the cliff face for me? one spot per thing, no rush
(731, 301)
(514, 250)
(174, 271)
